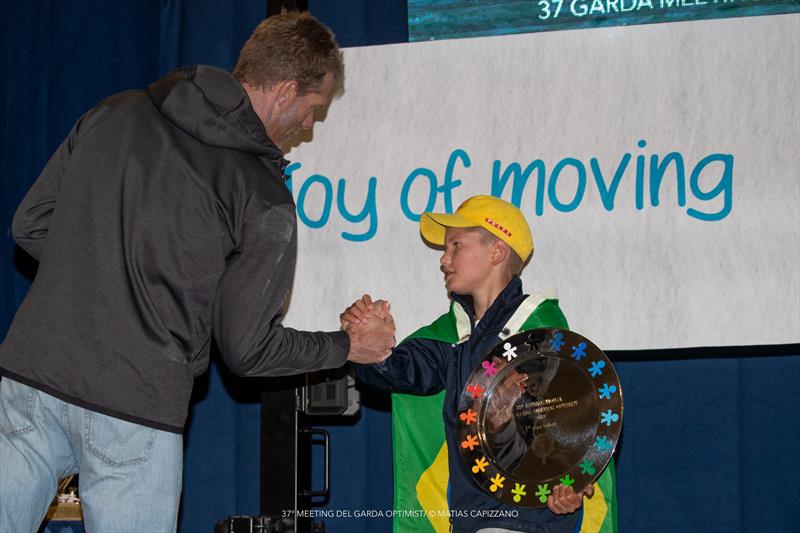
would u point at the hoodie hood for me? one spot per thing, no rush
(210, 105)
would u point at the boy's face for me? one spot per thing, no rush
(466, 262)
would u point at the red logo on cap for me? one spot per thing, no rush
(498, 226)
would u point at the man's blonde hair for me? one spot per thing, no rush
(290, 46)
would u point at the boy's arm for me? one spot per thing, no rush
(416, 366)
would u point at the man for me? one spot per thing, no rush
(161, 220)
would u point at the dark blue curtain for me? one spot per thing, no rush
(710, 443)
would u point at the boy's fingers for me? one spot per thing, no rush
(351, 315)
(381, 307)
(359, 312)
(564, 500)
(554, 502)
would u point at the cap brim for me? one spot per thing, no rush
(432, 226)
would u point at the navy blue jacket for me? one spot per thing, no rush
(424, 366)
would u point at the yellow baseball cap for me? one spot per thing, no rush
(501, 218)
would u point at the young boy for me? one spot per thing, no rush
(486, 244)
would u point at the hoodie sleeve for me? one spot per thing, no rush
(249, 302)
(32, 219)
(416, 366)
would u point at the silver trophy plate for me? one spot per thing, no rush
(543, 408)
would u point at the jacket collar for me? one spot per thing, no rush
(464, 310)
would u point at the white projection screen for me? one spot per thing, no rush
(658, 165)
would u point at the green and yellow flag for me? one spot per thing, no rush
(420, 451)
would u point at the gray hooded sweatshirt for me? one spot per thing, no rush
(160, 221)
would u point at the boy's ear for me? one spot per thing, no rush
(500, 251)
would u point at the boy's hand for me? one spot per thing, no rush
(565, 500)
(372, 341)
(362, 310)
(501, 409)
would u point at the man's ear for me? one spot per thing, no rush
(500, 252)
(285, 91)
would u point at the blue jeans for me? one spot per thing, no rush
(130, 475)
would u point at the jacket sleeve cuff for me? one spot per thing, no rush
(340, 348)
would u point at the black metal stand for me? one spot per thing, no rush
(287, 407)
(285, 458)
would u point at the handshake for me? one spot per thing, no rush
(370, 327)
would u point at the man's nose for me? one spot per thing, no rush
(308, 122)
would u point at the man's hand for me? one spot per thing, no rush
(362, 310)
(565, 500)
(371, 341)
